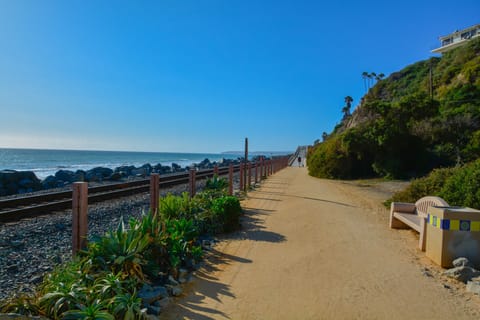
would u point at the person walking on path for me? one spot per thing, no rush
(300, 162)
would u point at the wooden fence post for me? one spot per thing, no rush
(215, 170)
(241, 176)
(154, 192)
(79, 216)
(249, 183)
(256, 171)
(261, 169)
(230, 179)
(192, 183)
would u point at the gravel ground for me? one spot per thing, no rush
(32, 247)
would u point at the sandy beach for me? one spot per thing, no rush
(320, 249)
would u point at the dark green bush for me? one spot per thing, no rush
(227, 210)
(463, 188)
(430, 185)
(459, 186)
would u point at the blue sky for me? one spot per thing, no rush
(200, 76)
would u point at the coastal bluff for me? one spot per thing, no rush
(19, 182)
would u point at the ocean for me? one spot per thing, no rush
(46, 162)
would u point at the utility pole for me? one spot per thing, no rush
(431, 80)
(245, 166)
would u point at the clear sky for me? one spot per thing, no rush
(200, 76)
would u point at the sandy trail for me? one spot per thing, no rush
(319, 249)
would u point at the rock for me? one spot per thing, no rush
(151, 294)
(182, 273)
(462, 274)
(115, 176)
(462, 262)
(426, 272)
(158, 168)
(125, 171)
(80, 175)
(49, 182)
(36, 280)
(13, 182)
(12, 268)
(154, 310)
(176, 167)
(177, 291)
(172, 281)
(148, 168)
(98, 174)
(139, 172)
(163, 303)
(65, 175)
(204, 164)
(474, 286)
(16, 243)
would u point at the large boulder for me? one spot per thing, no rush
(125, 171)
(176, 167)
(13, 182)
(65, 175)
(98, 174)
(80, 175)
(204, 164)
(148, 168)
(50, 182)
(158, 168)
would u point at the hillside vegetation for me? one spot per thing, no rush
(404, 129)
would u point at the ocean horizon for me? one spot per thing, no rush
(45, 162)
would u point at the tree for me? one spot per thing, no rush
(324, 136)
(346, 108)
(364, 77)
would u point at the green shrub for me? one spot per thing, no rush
(216, 183)
(463, 188)
(459, 186)
(429, 185)
(227, 211)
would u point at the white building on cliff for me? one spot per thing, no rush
(457, 38)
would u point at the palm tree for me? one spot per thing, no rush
(324, 136)
(380, 76)
(346, 108)
(365, 76)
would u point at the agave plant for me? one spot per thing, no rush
(25, 305)
(109, 285)
(216, 183)
(128, 307)
(120, 251)
(56, 303)
(94, 311)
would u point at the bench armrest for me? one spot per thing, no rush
(404, 207)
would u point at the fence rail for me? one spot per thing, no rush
(32, 206)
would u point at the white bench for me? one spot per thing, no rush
(413, 215)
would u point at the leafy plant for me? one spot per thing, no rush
(120, 250)
(227, 209)
(23, 304)
(128, 307)
(94, 311)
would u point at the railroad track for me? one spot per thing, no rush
(32, 206)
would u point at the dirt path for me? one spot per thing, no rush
(318, 249)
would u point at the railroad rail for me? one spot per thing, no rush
(32, 206)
